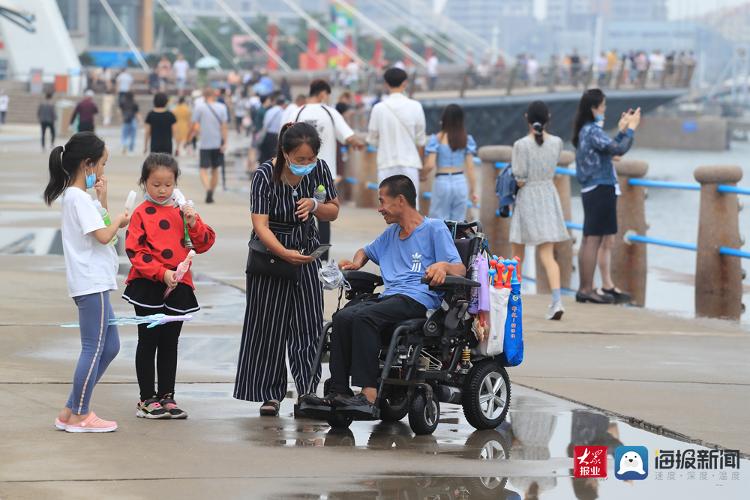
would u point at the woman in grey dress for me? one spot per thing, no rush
(537, 215)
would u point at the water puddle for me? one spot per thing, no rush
(538, 439)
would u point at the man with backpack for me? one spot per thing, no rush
(210, 119)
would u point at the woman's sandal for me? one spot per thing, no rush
(270, 408)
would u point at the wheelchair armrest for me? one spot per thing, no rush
(363, 277)
(452, 283)
(412, 325)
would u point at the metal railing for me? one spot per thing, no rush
(632, 237)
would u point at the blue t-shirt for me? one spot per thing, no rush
(404, 262)
(447, 157)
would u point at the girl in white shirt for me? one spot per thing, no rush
(90, 266)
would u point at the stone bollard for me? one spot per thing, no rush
(564, 249)
(367, 177)
(718, 278)
(628, 259)
(495, 228)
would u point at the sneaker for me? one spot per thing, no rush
(209, 196)
(169, 404)
(151, 408)
(555, 311)
(92, 423)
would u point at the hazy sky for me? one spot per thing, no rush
(678, 9)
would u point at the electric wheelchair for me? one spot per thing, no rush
(428, 360)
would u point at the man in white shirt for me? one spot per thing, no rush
(397, 129)
(331, 128)
(290, 113)
(180, 68)
(432, 71)
(657, 63)
(124, 81)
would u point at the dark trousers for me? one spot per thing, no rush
(369, 319)
(324, 231)
(159, 342)
(51, 127)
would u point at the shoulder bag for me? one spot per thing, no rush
(261, 261)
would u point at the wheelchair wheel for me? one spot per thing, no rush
(424, 414)
(394, 405)
(339, 421)
(486, 398)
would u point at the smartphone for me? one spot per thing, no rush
(320, 251)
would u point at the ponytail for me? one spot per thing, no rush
(538, 116)
(292, 136)
(538, 132)
(59, 178)
(66, 161)
(278, 167)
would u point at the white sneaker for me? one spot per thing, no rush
(555, 311)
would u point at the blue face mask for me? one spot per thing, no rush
(90, 180)
(302, 170)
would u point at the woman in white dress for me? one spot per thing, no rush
(537, 216)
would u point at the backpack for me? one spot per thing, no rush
(506, 189)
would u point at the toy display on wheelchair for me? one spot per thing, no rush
(457, 354)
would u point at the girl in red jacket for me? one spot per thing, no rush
(159, 238)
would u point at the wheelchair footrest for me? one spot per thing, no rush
(322, 412)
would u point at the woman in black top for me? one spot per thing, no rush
(285, 317)
(159, 127)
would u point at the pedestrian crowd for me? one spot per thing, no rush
(294, 197)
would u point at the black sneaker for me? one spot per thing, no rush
(152, 409)
(314, 400)
(209, 196)
(358, 402)
(170, 405)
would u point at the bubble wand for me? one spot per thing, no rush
(182, 269)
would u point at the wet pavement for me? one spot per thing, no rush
(666, 384)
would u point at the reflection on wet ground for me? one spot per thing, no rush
(539, 436)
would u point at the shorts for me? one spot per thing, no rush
(599, 211)
(211, 158)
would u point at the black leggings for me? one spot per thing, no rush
(161, 342)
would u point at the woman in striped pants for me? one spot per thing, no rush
(285, 316)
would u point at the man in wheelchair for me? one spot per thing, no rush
(413, 247)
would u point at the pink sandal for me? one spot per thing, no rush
(92, 423)
(59, 424)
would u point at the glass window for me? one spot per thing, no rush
(69, 11)
(102, 31)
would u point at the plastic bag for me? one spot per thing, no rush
(331, 277)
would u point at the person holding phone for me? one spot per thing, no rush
(595, 171)
(285, 317)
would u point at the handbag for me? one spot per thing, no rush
(261, 261)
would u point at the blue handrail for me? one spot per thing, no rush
(351, 180)
(501, 164)
(687, 186)
(565, 171)
(734, 252)
(723, 188)
(637, 238)
(573, 225)
(372, 185)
